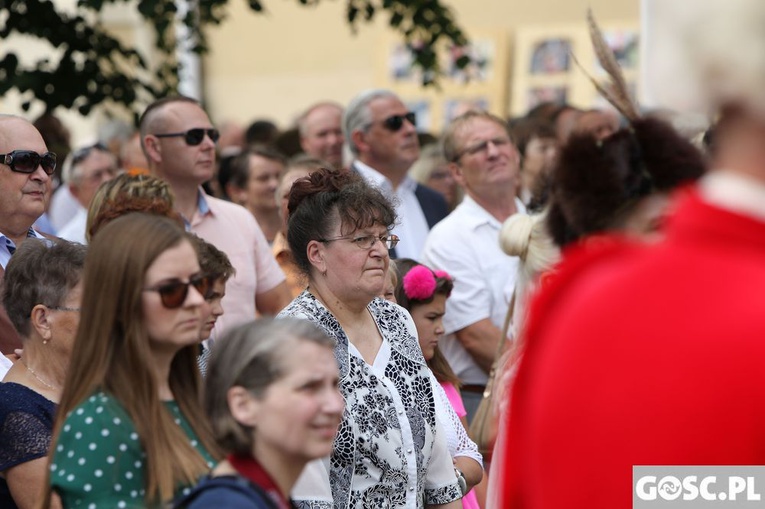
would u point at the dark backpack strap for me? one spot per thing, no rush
(229, 482)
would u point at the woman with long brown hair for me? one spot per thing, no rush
(130, 431)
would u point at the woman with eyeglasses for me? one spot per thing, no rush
(41, 293)
(130, 431)
(390, 450)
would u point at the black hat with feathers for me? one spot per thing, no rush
(595, 182)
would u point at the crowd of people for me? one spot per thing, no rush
(332, 316)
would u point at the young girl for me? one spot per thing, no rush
(130, 430)
(423, 293)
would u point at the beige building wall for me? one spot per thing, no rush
(275, 65)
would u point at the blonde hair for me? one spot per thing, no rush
(526, 237)
(129, 193)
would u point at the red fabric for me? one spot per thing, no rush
(642, 356)
(249, 467)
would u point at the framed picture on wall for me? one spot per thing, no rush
(550, 56)
(453, 108)
(482, 84)
(544, 69)
(422, 111)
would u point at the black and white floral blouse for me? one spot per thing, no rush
(390, 451)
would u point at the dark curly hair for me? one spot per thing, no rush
(326, 196)
(596, 183)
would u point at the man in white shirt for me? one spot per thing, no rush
(484, 161)
(381, 133)
(84, 171)
(25, 170)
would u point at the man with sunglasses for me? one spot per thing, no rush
(25, 170)
(485, 162)
(179, 141)
(381, 133)
(84, 171)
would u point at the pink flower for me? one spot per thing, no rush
(419, 283)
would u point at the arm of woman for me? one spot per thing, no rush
(456, 504)
(471, 470)
(468, 464)
(26, 481)
(466, 456)
(441, 486)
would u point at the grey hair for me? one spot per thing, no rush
(358, 116)
(40, 272)
(69, 170)
(251, 356)
(301, 121)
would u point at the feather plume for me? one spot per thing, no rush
(615, 91)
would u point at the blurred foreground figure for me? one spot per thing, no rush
(652, 354)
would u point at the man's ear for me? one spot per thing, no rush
(457, 174)
(359, 139)
(40, 320)
(153, 150)
(244, 407)
(74, 189)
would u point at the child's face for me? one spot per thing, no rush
(216, 309)
(389, 290)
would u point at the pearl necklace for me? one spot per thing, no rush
(46, 384)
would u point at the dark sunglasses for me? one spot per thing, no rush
(193, 136)
(27, 161)
(396, 122)
(174, 293)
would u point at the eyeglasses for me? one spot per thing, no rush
(174, 293)
(194, 136)
(367, 241)
(80, 155)
(27, 161)
(482, 147)
(396, 122)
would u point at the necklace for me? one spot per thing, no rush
(46, 384)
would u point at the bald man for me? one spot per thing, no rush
(25, 170)
(321, 132)
(179, 141)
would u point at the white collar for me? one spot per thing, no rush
(477, 216)
(734, 191)
(376, 178)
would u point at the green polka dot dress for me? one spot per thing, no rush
(99, 461)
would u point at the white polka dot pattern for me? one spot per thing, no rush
(99, 459)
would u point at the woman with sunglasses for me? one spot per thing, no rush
(41, 292)
(130, 431)
(390, 450)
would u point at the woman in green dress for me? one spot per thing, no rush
(130, 431)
